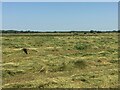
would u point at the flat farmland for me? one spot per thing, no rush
(58, 60)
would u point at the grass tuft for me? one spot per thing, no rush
(81, 46)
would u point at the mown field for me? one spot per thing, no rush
(60, 61)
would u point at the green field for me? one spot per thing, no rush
(60, 61)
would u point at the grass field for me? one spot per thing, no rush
(60, 61)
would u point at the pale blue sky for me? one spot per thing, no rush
(60, 16)
(0, 16)
(59, 0)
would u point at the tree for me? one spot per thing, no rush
(91, 31)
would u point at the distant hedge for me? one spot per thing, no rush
(75, 32)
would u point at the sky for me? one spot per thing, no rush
(119, 15)
(57, 16)
(59, 0)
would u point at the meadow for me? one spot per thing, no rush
(60, 60)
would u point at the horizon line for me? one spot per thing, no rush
(57, 30)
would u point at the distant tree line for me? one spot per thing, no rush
(75, 32)
(15, 31)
